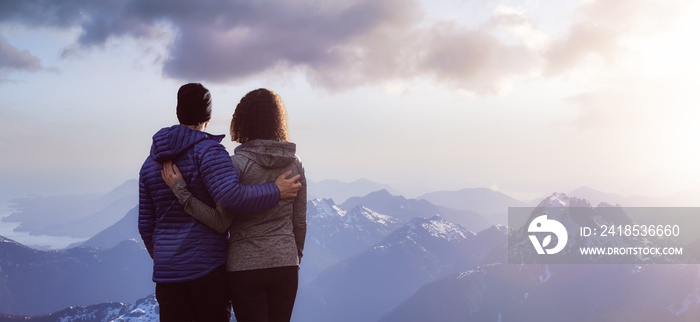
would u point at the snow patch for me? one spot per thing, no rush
(684, 306)
(467, 273)
(326, 208)
(438, 227)
(547, 274)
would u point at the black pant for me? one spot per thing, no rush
(203, 299)
(264, 294)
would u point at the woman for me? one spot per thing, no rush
(264, 249)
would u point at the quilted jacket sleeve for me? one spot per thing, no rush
(147, 217)
(214, 218)
(221, 180)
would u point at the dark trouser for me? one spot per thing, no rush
(203, 299)
(264, 294)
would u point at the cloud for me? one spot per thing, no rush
(476, 60)
(12, 59)
(337, 47)
(601, 28)
(345, 44)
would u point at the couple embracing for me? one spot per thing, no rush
(224, 230)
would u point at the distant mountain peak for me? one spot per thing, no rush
(381, 192)
(325, 208)
(361, 212)
(560, 199)
(438, 227)
(497, 228)
(126, 187)
(341, 191)
(10, 241)
(327, 201)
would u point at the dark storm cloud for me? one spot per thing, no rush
(43, 13)
(337, 44)
(231, 40)
(322, 41)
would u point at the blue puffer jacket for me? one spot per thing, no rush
(182, 248)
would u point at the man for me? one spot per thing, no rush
(188, 257)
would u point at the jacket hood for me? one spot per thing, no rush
(268, 153)
(172, 141)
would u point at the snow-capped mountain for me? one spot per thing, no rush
(145, 309)
(548, 292)
(330, 226)
(378, 279)
(406, 209)
(377, 257)
(40, 282)
(575, 213)
(562, 200)
(541, 292)
(334, 234)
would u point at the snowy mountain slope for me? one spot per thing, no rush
(376, 280)
(334, 234)
(577, 293)
(145, 309)
(548, 292)
(406, 209)
(39, 282)
(574, 213)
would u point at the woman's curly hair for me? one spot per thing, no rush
(260, 115)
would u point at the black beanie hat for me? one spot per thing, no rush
(193, 104)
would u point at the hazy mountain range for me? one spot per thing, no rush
(366, 286)
(540, 292)
(602, 293)
(73, 215)
(685, 198)
(335, 234)
(40, 282)
(340, 191)
(377, 256)
(406, 209)
(83, 216)
(491, 205)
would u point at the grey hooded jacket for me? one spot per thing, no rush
(271, 238)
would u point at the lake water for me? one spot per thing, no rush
(7, 230)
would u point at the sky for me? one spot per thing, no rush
(525, 97)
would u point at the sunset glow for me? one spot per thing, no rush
(530, 97)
